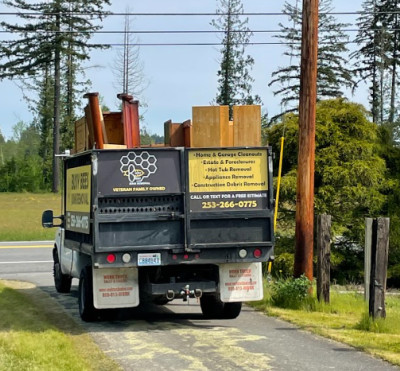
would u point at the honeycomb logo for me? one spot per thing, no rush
(138, 166)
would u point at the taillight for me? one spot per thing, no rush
(126, 258)
(110, 258)
(257, 253)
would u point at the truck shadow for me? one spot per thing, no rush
(147, 316)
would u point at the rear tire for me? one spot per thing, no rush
(62, 282)
(232, 310)
(213, 308)
(87, 311)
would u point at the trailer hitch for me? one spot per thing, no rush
(187, 293)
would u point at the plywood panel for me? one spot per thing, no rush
(210, 126)
(167, 125)
(89, 124)
(247, 126)
(81, 136)
(114, 127)
(187, 133)
(103, 128)
(173, 134)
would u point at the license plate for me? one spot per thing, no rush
(149, 259)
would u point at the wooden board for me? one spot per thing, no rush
(114, 146)
(103, 128)
(210, 126)
(173, 134)
(81, 136)
(89, 124)
(187, 133)
(114, 127)
(247, 126)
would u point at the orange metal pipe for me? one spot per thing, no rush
(96, 119)
(130, 117)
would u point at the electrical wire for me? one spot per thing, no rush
(214, 14)
(181, 31)
(194, 44)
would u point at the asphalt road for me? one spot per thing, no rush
(176, 337)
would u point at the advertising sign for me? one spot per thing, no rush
(139, 171)
(78, 199)
(115, 288)
(241, 282)
(228, 179)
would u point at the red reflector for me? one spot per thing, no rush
(257, 253)
(186, 256)
(174, 257)
(110, 258)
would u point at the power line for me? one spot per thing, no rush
(96, 14)
(195, 43)
(210, 44)
(179, 31)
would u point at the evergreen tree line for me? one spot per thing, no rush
(357, 159)
(357, 149)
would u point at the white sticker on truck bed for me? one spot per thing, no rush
(115, 288)
(240, 282)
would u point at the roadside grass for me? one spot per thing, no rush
(345, 319)
(37, 335)
(21, 216)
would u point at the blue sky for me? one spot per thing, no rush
(179, 76)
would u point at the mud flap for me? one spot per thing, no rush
(240, 282)
(115, 288)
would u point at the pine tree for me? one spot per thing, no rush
(234, 80)
(333, 75)
(389, 20)
(128, 68)
(370, 58)
(57, 30)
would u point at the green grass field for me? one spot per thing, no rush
(21, 216)
(35, 334)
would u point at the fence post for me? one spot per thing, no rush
(379, 262)
(367, 257)
(324, 257)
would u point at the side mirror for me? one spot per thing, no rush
(47, 219)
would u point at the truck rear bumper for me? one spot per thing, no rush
(179, 290)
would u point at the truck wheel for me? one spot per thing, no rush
(87, 311)
(211, 306)
(232, 310)
(62, 282)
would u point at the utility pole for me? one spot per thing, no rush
(303, 263)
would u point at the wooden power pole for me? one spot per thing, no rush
(303, 263)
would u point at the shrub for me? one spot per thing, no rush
(283, 265)
(291, 293)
